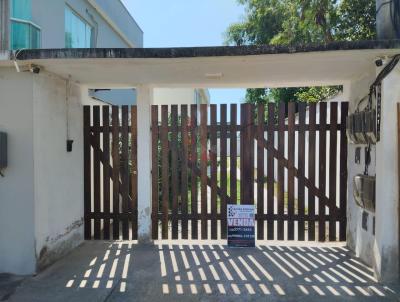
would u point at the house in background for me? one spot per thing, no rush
(166, 96)
(27, 24)
(162, 96)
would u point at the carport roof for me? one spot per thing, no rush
(223, 66)
(191, 52)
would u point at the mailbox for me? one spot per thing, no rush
(364, 191)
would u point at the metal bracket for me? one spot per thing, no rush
(367, 155)
(378, 112)
(365, 220)
(358, 156)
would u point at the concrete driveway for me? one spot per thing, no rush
(104, 271)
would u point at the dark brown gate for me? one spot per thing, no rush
(290, 161)
(110, 165)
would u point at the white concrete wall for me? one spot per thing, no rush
(41, 194)
(58, 173)
(382, 250)
(386, 248)
(17, 240)
(359, 240)
(145, 98)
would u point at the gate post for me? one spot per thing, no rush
(144, 102)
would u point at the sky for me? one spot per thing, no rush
(185, 23)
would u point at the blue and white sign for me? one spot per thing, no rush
(241, 231)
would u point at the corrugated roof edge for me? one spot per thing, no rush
(190, 52)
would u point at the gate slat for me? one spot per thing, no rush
(343, 172)
(106, 170)
(291, 152)
(242, 157)
(281, 171)
(96, 171)
(301, 171)
(214, 170)
(134, 176)
(260, 171)
(332, 170)
(184, 170)
(322, 171)
(203, 170)
(223, 172)
(311, 170)
(154, 171)
(164, 170)
(233, 152)
(247, 154)
(174, 170)
(271, 170)
(116, 167)
(125, 172)
(193, 163)
(87, 171)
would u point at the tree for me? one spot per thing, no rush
(288, 22)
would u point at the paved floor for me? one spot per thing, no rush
(103, 271)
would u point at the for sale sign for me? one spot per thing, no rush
(241, 231)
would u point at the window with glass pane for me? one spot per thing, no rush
(78, 33)
(21, 9)
(24, 33)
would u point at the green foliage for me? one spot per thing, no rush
(264, 21)
(286, 95)
(257, 96)
(357, 20)
(287, 22)
(316, 94)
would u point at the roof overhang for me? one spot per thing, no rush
(246, 66)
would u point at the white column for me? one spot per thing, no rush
(144, 102)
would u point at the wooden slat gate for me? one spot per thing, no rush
(290, 161)
(110, 177)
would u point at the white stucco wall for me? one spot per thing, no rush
(17, 241)
(145, 98)
(382, 250)
(58, 173)
(359, 240)
(386, 248)
(41, 194)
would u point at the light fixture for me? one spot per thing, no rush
(217, 75)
